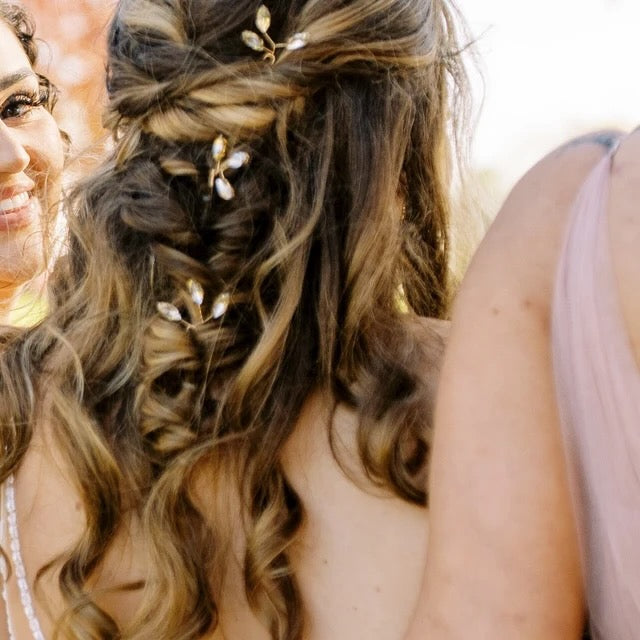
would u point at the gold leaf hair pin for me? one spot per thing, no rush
(265, 44)
(221, 162)
(171, 313)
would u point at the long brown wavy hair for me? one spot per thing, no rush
(336, 241)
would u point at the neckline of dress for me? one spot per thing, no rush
(26, 599)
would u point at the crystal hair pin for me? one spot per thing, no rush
(265, 44)
(222, 160)
(171, 313)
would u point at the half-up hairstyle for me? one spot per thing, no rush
(335, 242)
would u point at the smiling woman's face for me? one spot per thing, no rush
(31, 161)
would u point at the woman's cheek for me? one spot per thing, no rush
(47, 160)
(47, 149)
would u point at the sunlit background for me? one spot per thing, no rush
(551, 69)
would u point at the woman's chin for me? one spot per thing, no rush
(21, 259)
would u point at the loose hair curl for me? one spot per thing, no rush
(336, 241)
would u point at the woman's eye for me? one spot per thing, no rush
(20, 105)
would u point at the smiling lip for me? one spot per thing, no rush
(17, 210)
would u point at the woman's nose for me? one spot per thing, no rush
(13, 156)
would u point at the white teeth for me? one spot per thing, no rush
(17, 202)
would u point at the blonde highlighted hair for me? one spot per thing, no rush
(336, 240)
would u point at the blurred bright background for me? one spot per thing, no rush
(72, 35)
(551, 70)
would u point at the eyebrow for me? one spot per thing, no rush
(14, 78)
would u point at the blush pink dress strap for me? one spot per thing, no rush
(598, 391)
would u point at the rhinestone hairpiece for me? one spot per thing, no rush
(171, 313)
(265, 44)
(222, 160)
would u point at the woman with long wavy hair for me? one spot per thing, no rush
(221, 429)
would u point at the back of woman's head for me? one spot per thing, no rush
(347, 135)
(290, 258)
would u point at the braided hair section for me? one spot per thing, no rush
(309, 278)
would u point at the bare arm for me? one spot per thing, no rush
(503, 556)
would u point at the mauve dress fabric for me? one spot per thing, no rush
(598, 390)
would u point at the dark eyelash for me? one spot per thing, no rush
(32, 98)
(29, 99)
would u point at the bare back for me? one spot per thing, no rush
(358, 558)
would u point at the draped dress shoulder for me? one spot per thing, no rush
(598, 391)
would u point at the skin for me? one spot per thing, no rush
(503, 556)
(31, 162)
(347, 523)
(346, 594)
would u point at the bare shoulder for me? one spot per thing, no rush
(522, 246)
(503, 554)
(51, 520)
(624, 220)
